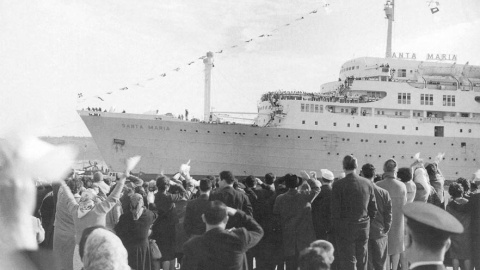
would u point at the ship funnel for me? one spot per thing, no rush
(389, 14)
(208, 61)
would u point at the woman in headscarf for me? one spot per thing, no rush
(90, 211)
(103, 250)
(133, 229)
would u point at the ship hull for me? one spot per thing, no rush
(164, 144)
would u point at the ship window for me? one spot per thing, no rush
(312, 108)
(461, 130)
(403, 98)
(416, 128)
(402, 73)
(385, 127)
(448, 100)
(303, 122)
(302, 107)
(403, 127)
(426, 99)
(358, 125)
(469, 131)
(341, 110)
(348, 125)
(396, 113)
(316, 123)
(316, 108)
(438, 130)
(376, 126)
(335, 124)
(321, 108)
(307, 108)
(383, 112)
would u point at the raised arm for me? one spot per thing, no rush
(113, 198)
(65, 191)
(251, 231)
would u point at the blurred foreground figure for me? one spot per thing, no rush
(23, 158)
(428, 235)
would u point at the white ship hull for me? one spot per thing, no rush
(164, 144)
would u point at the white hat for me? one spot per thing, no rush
(328, 175)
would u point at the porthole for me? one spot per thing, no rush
(311, 138)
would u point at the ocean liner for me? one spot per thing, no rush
(378, 108)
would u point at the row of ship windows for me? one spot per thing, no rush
(426, 99)
(314, 108)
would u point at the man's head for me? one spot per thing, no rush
(404, 174)
(390, 166)
(205, 185)
(349, 163)
(215, 214)
(327, 176)
(455, 190)
(250, 181)
(327, 246)
(291, 180)
(163, 183)
(313, 258)
(269, 178)
(227, 177)
(428, 231)
(97, 177)
(368, 171)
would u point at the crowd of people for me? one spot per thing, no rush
(368, 218)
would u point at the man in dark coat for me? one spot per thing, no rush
(294, 208)
(352, 207)
(428, 235)
(475, 208)
(218, 248)
(379, 227)
(321, 207)
(193, 223)
(233, 198)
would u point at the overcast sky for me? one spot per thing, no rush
(52, 50)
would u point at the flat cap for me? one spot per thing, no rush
(327, 174)
(432, 216)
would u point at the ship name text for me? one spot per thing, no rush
(430, 56)
(149, 127)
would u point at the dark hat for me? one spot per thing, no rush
(433, 216)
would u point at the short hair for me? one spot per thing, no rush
(291, 180)
(85, 234)
(390, 165)
(227, 176)
(269, 178)
(465, 184)
(97, 177)
(368, 170)
(163, 182)
(349, 163)
(75, 185)
(404, 174)
(215, 213)
(327, 246)
(426, 236)
(205, 185)
(250, 181)
(455, 190)
(313, 258)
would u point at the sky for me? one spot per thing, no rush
(52, 50)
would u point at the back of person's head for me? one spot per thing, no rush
(368, 171)
(390, 166)
(455, 190)
(140, 190)
(313, 258)
(104, 250)
(269, 178)
(431, 169)
(205, 185)
(163, 183)
(465, 184)
(291, 180)
(215, 213)
(427, 237)
(75, 185)
(97, 177)
(349, 163)
(250, 181)
(327, 246)
(85, 234)
(227, 176)
(404, 174)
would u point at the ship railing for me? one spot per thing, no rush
(458, 119)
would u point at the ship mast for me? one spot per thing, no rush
(389, 12)
(208, 61)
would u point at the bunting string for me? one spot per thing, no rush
(82, 97)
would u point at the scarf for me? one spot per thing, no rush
(136, 205)
(86, 203)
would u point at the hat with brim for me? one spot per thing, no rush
(433, 216)
(327, 174)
